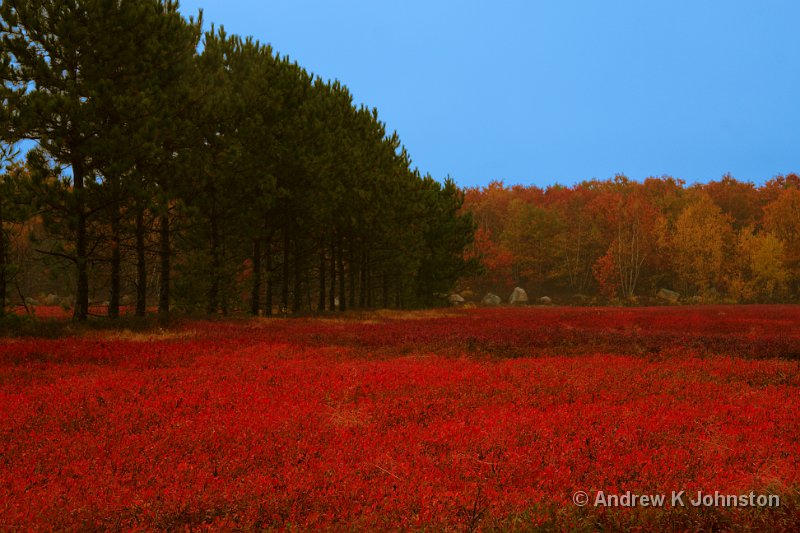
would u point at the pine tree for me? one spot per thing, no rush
(6, 193)
(255, 174)
(87, 96)
(150, 67)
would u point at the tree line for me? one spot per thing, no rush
(622, 240)
(173, 167)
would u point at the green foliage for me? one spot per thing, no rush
(447, 233)
(236, 169)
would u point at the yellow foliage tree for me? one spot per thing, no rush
(761, 274)
(529, 236)
(701, 246)
(782, 218)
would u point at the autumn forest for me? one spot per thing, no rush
(620, 240)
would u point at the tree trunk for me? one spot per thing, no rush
(113, 301)
(351, 267)
(297, 295)
(332, 297)
(256, 294)
(307, 287)
(362, 278)
(2, 264)
(322, 265)
(285, 277)
(268, 298)
(340, 261)
(81, 311)
(369, 281)
(213, 287)
(141, 266)
(165, 251)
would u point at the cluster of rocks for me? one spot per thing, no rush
(49, 300)
(518, 297)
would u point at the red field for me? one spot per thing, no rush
(487, 419)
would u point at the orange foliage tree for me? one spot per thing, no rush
(621, 238)
(782, 218)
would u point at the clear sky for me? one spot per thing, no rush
(546, 91)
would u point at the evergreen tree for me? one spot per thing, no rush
(255, 174)
(88, 98)
(7, 194)
(139, 112)
(447, 233)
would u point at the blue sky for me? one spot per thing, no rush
(539, 92)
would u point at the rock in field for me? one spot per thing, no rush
(668, 295)
(455, 299)
(518, 296)
(491, 299)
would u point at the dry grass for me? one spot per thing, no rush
(347, 417)
(421, 314)
(144, 336)
(378, 316)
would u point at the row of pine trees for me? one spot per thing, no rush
(203, 170)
